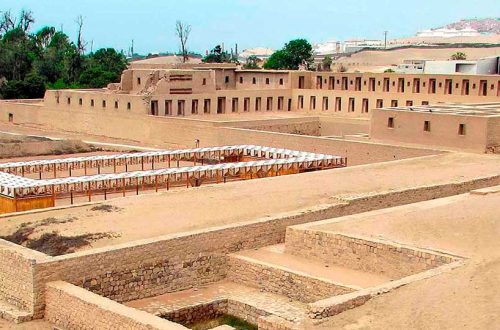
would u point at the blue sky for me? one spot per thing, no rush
(251, 23)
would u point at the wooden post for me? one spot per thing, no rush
(105, 197)
(156, 183)
(142, 163)
(187, 180)
(90, 193)
(85, 167)
(98, 168)
(168, 161)
(55, 174)
(114, 165)
(71, 196)
(126, 166)
(123, 186)
(168, 180)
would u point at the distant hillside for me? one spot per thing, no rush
(484, 25)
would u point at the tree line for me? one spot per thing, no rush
(31, 62)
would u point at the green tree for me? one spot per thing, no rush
(217, 55)
(389, 71)
(252, 63)
(291, 56)
(326, 63)
(32, 62)
(104, 66)
(33, 86)
(458, 56)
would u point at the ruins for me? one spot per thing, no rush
(375, 202)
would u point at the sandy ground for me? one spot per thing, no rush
(146, 216)
(465, 298)
(276, 255)
(33, 325)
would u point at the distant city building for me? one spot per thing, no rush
(260, 52)
(351, 46)
(327, 48)
(448, 33)
(489, 65)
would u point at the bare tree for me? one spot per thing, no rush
(25, 20)
(182, 30)
(7, 22)
(80, 43)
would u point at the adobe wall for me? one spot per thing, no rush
(269, 278)
(339, 126)
(444, 129)
(181, 132)
(493, 135)
(356, 152)
(302, 126)
(369, 255)
(71, 307)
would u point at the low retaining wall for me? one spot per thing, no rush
(369, 255)
(181, 261)
(72, 307)
(207, 311)
(323, 309)
(16, 275)
(292, 284)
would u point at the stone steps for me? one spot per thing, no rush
(14, 314)
(275, 272)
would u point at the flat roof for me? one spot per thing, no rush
(13, 185)
(479, 109)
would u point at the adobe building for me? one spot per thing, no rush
(364, 183)
(472, 127)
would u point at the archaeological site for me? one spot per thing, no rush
(207, 196)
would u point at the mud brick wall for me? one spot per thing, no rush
(281, 281)
(72, 307)
(372, 256)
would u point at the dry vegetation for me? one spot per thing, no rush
(22, 146)
(52, 243)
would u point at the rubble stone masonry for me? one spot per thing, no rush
(292, 284)
(72, 307)
(369, 255)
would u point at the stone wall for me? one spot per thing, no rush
(274, 279)
(211, 310)
(71, 307)
(177, 262)
(369, 255)
(197, 313)
(16, 275)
